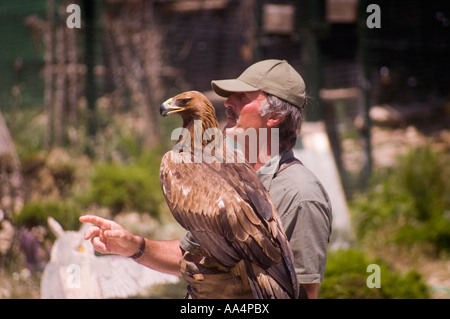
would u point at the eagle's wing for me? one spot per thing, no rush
(230, 214)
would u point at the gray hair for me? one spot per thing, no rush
(292, 116)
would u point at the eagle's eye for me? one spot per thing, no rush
(183, 102)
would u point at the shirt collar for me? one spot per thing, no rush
(268, 171)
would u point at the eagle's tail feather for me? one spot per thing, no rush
(263, 285)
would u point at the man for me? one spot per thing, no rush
(269, 94)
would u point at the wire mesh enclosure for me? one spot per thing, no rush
(131, 55)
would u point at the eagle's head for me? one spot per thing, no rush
(191, 105)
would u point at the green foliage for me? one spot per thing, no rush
(28, 129)
(411, 200)
(422, 175)
(122, 187)
(346, 276)
(36, 213)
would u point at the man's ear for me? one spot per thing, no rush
(274, 121)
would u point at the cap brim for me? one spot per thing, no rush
(227, 87)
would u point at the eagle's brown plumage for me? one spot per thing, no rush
(226, 208)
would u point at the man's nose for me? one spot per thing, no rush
(229, 104)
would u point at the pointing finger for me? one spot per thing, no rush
(97, 221)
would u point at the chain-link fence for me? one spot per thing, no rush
(144, 51)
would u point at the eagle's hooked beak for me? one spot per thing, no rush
(168, 108)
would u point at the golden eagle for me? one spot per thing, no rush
(226, 207)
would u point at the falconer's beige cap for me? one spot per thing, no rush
(276, 77)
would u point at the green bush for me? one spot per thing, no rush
(346, 278)
(36, 213)
(121, 187)
(412, 200)
(28, 130)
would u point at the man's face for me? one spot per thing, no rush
(242, 110)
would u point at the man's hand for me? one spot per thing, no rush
(108, 237)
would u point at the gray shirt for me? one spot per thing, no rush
(305, 212)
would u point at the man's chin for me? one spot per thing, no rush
(234, 132)
(229, 125)
(229, 130)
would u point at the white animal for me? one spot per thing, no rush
(75, 272)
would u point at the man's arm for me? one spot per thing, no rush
(162, 255)
(308, 231)
(108, 237)
(310, 290)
